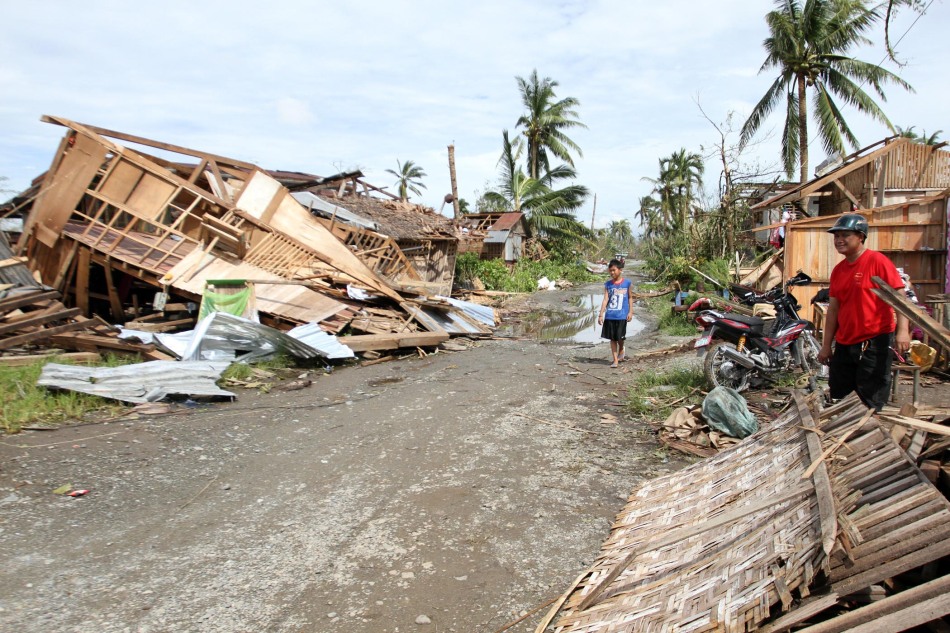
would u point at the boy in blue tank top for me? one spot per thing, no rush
(616, 310)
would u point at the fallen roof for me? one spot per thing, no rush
(721, 544)
(399, 220)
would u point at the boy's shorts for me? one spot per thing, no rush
(614, 329)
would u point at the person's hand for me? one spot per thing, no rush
(902, 342)
(629, 317)
(600, 319)
(824, 356)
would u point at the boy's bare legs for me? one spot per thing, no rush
(615, 350)
(622, 352)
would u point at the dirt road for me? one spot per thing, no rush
(446, 493)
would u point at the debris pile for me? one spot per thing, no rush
(144, 240)
(819, 518)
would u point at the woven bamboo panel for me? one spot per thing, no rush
(733, 541)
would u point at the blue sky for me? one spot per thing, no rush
(323, 87)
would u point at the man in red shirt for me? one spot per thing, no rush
(860, 324)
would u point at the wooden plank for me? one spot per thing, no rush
(115, 303)
(21, 300)
(80, 358)
(807, 609)
(38, 320)
(900, 303)
(39, 335)
(376, 342)
(826, 501)
(898, 612)
(901, 562)
(82, 280)
(12, 261)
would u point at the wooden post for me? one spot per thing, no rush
(82, 280)
(593, 213)
(455, 189)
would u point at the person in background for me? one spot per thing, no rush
(616, 310)
(859, 324)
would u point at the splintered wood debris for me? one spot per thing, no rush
(784, 528)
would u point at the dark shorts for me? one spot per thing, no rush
(614, 329)
(864, 368)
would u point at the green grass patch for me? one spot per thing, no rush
(669, 322)
(523, 277)
(657, 393)
(23, 403)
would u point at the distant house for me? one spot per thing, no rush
(494, 235)
(902, 187)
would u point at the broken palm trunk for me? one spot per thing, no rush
(770, 533)
(110, 224)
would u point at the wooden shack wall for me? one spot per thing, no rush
(433, 259)
(912, 235)
(908, 170)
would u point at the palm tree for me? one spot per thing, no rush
(809, 46)
(547, 210)
(680, 179)
(544, 123)
(621, 234)
(923, 138)
(407, 178)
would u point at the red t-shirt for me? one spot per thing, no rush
(861, 314)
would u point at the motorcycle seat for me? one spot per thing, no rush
(752, 321)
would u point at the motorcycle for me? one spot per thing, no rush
(741, 353)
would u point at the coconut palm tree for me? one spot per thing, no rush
(680, 179)
(808, 44)
(545, 122)
(923, 137)
(547, 210)
(407, 178)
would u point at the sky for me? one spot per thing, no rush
(324, 87)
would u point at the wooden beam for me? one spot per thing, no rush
(38, 335)
(898, 612)
(896, 300)
(827, 512)
(848, 194)
(80, 358)
(115, 303)
(18, 301)
(141, 140)
(38, 320)
(82, 281)
(374, 342)
(808, 608)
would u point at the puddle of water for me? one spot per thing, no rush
(575, 324)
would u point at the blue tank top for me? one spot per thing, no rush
(618, 304)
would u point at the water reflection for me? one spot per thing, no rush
(576, 323)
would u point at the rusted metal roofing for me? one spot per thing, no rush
(507, 221)
(399, 220)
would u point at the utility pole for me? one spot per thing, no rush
(593, 213)
(455, 188)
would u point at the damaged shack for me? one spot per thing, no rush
(130, 235)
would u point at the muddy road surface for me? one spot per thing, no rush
(452, 492)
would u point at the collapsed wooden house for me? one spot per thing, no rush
(111, 226)
(902, 187)
(799, 524)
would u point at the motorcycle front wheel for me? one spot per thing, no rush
(722, 371)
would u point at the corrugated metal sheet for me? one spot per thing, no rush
(142, 382)
(483, 314)
(18, 274)
(324, 208)
(328, 345)
(219, 332)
